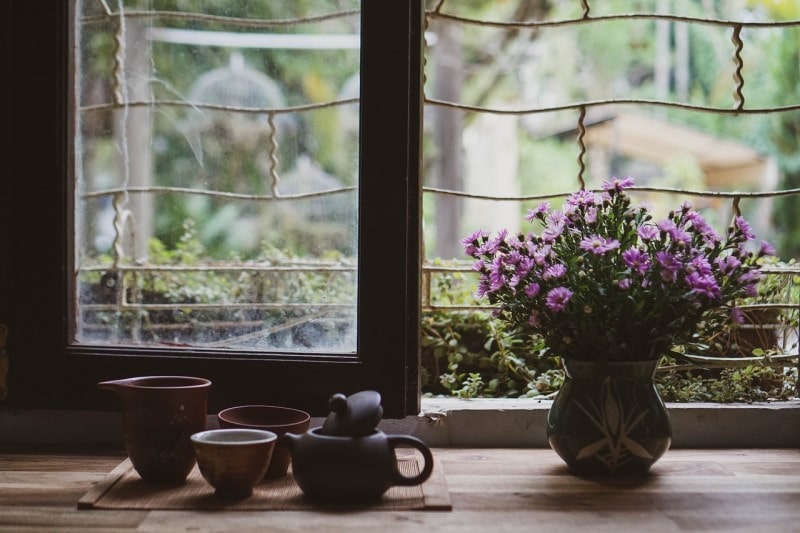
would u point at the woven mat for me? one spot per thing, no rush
(123, 489)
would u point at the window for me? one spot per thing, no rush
(49, 368)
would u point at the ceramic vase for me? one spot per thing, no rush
(608, 418)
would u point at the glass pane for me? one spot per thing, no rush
(526, 102)
(216, 174)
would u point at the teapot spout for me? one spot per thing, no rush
(289, 441)
(115, 385)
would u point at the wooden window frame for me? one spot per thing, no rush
(48, 371)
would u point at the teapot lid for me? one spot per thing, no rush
(353, 416)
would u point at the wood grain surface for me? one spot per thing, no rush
(122, 488)
(491, 490)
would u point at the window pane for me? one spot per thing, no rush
(529, 101)
(217, 174)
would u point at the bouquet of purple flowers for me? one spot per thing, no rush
(604, 281)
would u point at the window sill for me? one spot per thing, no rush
(514, 423)
(461, 423)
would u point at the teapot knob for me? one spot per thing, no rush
(338, 403)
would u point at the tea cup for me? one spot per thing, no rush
(279, 420)
(233, 461)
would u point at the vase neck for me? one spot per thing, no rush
(623, 370)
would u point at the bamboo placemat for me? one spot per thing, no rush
(122, 488)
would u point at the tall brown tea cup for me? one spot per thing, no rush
(279, 420)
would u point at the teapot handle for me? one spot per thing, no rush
(427, 467)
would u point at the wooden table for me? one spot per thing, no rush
(491, 490)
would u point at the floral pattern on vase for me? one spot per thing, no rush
(608, 418)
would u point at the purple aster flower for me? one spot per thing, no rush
(532, 290)
(474, 236)
(636, 260)
(469, 242)
(538, 212)
(556, 217)
(697, 220)
(486, 249)
(699, 264)
(766, 249)
(737, 316)
(582, 197)
(668, 261)
(743, 227)
(493, 245)
(680, 237)
(624, 284)
(710, 236)
(703, 285)
(554, 271)
(497, 280)
(728, 265)
(540, 255)
(530, 246)
(617, 185)
(483, 288)
(514, 242)
(669, 265)
(598, 245)
(591, 215)
(521, 270)
(647, 232)
(533, 320)
(558, 298)
(512, 258)
(524, 266)
(666, 225)
(552, 231)
(751, 276)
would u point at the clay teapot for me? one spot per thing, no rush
(160, 414)
(348, 459)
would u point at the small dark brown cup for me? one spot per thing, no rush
(279, 420)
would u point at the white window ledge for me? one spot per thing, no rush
(461, 423)
(515, 423)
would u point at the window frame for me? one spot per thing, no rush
(47, 371)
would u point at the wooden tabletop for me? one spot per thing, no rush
(491, 490)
